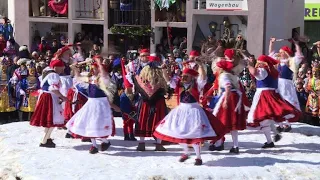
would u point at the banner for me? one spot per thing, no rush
(312, 11)
(223, 5)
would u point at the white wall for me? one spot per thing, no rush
(282, 17)
(204, 20)
(19, 15)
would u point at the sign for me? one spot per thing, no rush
(312, 11)
(222, 5)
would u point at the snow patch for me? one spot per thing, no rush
(296, 156)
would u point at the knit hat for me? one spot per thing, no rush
(24, 52)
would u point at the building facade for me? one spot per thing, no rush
(312, 20)
(256, 20)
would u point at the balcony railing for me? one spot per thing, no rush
(48, 8)
(132, 13)
(89, 9)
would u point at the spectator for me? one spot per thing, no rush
(78, 39)
(3, 44)
(35, 56)
(43, 46)
(79, 56)
(316, 51)
(55, 46)
(95, 50)
(6, 28)
(302, 95)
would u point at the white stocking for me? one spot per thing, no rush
(105, 140)
(141, 140)
(47, 135)
(265, 127)
(234, 135)
(94, 142)
(185, 148)
(218, 143)
(273, 128)
(197, 150)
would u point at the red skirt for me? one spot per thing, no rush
(81, 100)
(148, 120)
(113, 133)
(270, 105)
(232, 119)
(43, 114)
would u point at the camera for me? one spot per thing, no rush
(132, 54)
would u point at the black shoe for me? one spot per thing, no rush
(277, 138)
(287, 129)
(132, 138)
(126, 137)
(279, 129)
(183, 158)
(141, 147)
(50, 141)
(86, 140)
(234, 150)
(93, 150)
(105, 146)
(49, 144)
(69, 136)
(212, 147)
(198, 162)
(270, 145)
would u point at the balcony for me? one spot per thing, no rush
(131, 13)
(48, 8)
(89, 9)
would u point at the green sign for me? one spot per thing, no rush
(312, 11)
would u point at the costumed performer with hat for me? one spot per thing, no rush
(268, 106)
(189, 123)
(288, 69)
(151, 85)
(94, 120)
(48, 112)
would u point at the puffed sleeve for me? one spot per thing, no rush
(54, 81)
(224, 81)
(201, 83)
(261, 74)
(297, 59)
(105, 80)
(273, 55)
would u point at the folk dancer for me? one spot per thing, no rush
(151, 86)
(48, 112)
(229, 108)
(128, 107)
(188, 123)
(94, 120)
(288, 69)
(268, 106)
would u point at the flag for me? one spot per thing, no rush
(164, 3)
